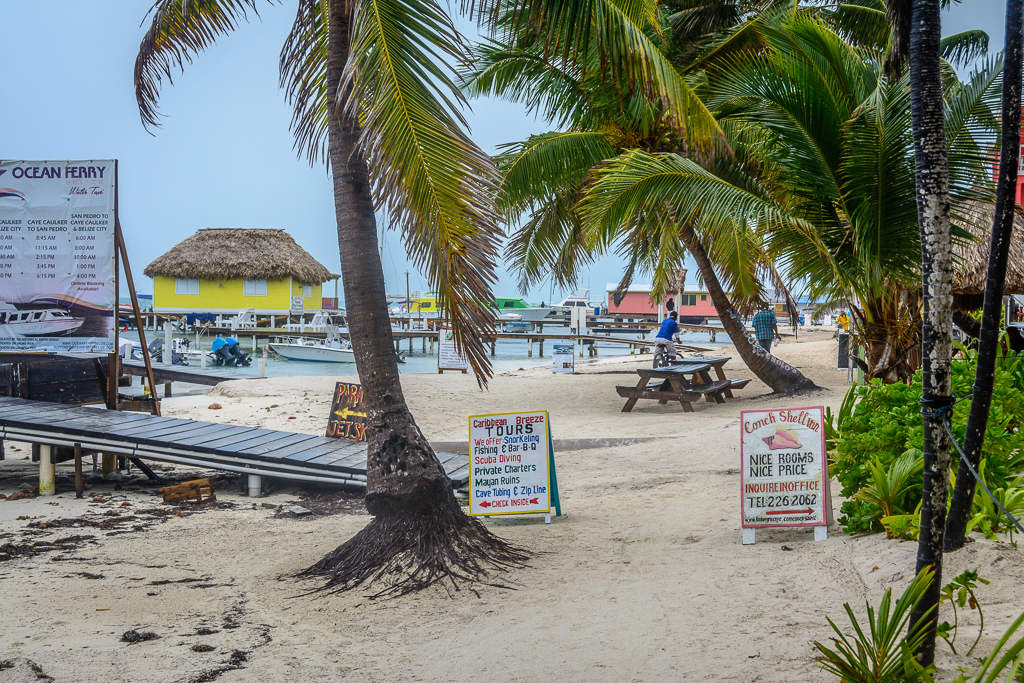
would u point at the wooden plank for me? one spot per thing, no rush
(298, 448)
(172, 432)
(340, 461)
(142, 427)
(200, 439)
(100, 424)
(326, 445)
(203, 432)
(231, 444)
(738, 383)
(183, 373)
(268, 440)
(275, 449)
(199, 490)
(9, 407)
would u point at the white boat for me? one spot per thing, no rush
(561, 310)
(48, 322)
(331, 350)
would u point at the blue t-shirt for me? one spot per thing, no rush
(217, 344)
(668, 329)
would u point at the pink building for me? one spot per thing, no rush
(636, 301)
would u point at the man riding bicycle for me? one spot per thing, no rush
(668, 330)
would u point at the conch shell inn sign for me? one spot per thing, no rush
(784, 470)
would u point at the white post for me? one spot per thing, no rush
(261, 364)
(748, 535)
(202, 359)
(168, 338)
(255, 485)
(47, 480)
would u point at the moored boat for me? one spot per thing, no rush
(331, 350)
(47, 322)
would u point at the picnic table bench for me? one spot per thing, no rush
(687, 382)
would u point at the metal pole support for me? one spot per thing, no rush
(255, 485)
(79, 483)
(47, 478)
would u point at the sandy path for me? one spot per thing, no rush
(643, 579)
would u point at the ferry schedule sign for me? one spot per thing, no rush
(509, 459)
(57, 247)
(784, 470)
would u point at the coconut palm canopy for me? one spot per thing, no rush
(246, 253)
(971, 258)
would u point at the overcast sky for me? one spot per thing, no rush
(224, 156)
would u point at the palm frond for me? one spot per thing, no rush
(551, 243)
(434, 182)
(622, 36)
(543, 165)
(963, 48)
(179, 30)
(636, 185)
(527, 76)
(303, 76)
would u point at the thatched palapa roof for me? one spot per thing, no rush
(970, 261)
(240, 253)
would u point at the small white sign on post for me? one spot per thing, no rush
(448, 358)
(508, 464)
(784, 479)
(563, 357)
(298, 304)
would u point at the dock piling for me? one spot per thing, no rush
(79, 484)
(255, 485)
(47, 480)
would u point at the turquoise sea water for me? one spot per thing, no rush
(510, 354)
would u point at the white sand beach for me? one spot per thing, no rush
(643, 578)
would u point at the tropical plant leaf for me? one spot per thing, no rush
(434, 182)
(179, 30)
(963, 48)
(303, 76)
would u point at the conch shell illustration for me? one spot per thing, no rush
(784, 437)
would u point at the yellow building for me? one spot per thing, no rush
(223, 270)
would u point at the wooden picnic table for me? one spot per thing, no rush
(716, 362)
(687, 381)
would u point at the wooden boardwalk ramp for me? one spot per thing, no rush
(245, 450)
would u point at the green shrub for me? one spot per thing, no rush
(885, 423)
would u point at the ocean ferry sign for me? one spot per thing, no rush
(511, 470)
(784, 470)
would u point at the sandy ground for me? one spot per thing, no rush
(643, 578)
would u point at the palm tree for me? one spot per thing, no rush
(838, 145)
(981, 401)
(933, 195)
(547, 175)
(373, 98)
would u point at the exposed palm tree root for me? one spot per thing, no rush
(408, 553)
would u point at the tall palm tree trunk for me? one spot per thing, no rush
(932, 177)
(1002, 229)
(780, 377)
(419, 534)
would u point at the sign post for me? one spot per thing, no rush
(512, 465)
(784, 479)
(57, 256)
(348, 417)
(448, 357)
(563, 358)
